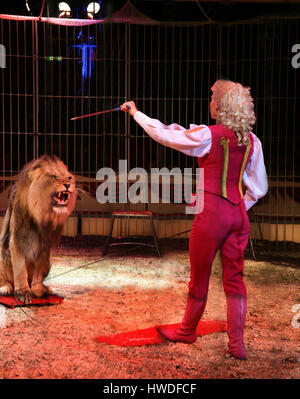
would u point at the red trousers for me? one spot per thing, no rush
(221, 225)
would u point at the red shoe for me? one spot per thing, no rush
(238, 353)
(178, 335)
(236, 316)
(187, 331)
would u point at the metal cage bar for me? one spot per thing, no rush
(55, 72)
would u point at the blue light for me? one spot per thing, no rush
(87, 50)
(88, 57)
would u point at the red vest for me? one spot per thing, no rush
(225, 164)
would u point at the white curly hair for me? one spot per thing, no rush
(235, 108)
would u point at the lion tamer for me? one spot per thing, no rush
(40, 202)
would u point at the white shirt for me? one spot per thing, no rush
(198, 144)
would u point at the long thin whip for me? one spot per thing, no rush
(98, 113)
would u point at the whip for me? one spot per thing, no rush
(98, 113)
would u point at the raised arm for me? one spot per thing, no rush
(195, 141)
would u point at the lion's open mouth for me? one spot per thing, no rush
(60, 198)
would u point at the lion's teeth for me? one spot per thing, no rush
(62, 197)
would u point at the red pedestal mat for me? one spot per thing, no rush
(12, 302)
(151, 336)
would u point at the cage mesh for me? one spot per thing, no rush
(54, 72)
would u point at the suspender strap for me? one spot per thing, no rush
(243, 167)
(224, 142)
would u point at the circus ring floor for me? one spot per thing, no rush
(126, 292)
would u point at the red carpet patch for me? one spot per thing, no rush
(12, 302)
(151, 336)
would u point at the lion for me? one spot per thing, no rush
(40, 202)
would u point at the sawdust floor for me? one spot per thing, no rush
(128, 292)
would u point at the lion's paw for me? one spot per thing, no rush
(41, 291)
(24, 295)
(6, 290)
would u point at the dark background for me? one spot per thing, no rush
(172, 10)
(258, 54)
